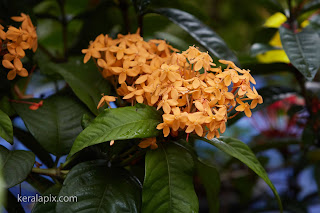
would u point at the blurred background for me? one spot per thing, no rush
(283, 132)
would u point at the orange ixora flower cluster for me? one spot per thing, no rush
(193, 92)
(13, 44)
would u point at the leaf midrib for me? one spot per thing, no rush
(169, 177)
(122, 125)
(300, 50)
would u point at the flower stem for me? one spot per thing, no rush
(233, 115)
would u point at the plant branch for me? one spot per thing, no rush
(55, 172)
(233, 115)
(69, 161)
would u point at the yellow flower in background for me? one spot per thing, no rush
(278, 55)
(274, 21)
(194, 94)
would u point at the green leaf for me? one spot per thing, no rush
(2, 188)
(242, 152)
(5, 106)
(269, 95)
(6, 129)
(259, 48)
(312, 5)
(264, 35)
(210, 179)
(86, 120)
(84, 79)
(16, 165)
(272, 5)
(200, 32)
(30, 142)
(303, 50)
(141, 6)
(99, 188)
(49, 207)
(137, 121)
(56, 124)
(168, 184)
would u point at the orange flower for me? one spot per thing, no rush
(16, 68)
(106, 99)
(153, 73)
(2, 33)
(256, 98)
(91, 52)
(125, 71)
(18, 40)
(152, 142)
(243, 107)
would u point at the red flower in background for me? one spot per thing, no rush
(276, 122)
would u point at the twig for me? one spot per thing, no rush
(55, 172)
(233, 115)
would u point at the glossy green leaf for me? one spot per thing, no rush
(30, 142)
(141, 5)
(314, 21)
(49, 207)
(6, 129)
(56, 124)
(242, 152)
(209, 177)
(269, 95)
(311, 5)
(5, 105)
(264, 35)
(84, 79)
(15, 165)
(168, 184)
(259, 48)
(199, 31)
(303, 50)
(137, 121)
(99, 188)
(272, 5)
(86, 120)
